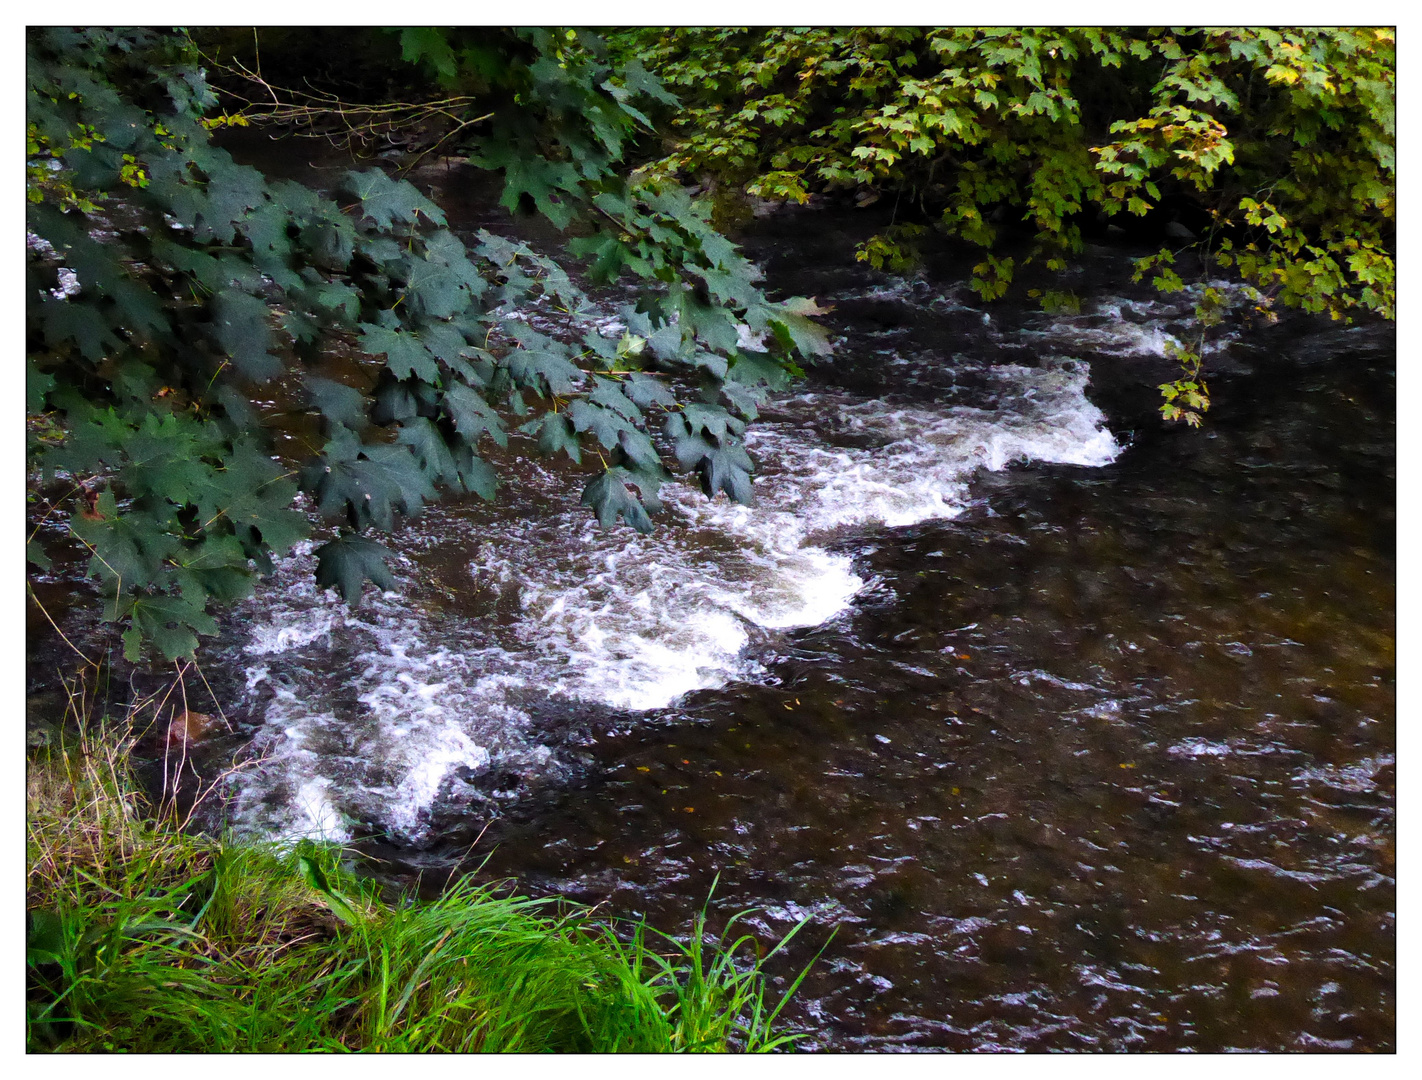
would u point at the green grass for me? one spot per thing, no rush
(144, 937)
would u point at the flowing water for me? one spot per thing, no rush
(1077, 730)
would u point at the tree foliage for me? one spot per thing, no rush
(203, 343)
(1273, 150)
(183, 312)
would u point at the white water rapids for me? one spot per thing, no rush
(371, 714)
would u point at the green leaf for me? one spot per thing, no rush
(435, 290)
(541, 364)
(38, 384)
(217, 567)
(728, 469)
(647, 391)
(431, 452)
(34, 553)
(386, 201)
(475, 473)
(754, 368)
(721, 462)
(64, 320)
(331, 242)
(172, 623)
(405, 354)
(609, 395)
(528, 173)
(445, 342)
(711, 418)
(338, 403)
(240, 326)
(429, 44)
(556, 433)
(610, 499)
(603, 424)
(471, 414)
(127, 549)
(348, 562)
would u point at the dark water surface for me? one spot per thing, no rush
(1104, 761)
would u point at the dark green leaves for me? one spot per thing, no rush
(471, 414)
(368, 482)
(172, 623)
(405, 354)
(705, 441)
(557, 433)
(385, 201)
(127, 549)
(338, 403)
(347, 563)
(143, 378)
(240, 326)
(610, 499)
(542, 365)
(548, 184)
(429, 44)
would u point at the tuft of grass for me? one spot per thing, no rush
(144, 937)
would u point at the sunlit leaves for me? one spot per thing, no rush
(977, 124)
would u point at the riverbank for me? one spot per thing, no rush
(143, 937)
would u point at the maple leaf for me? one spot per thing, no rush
(338, 403)
(471, 414)
(217, 567)
(127, 549)
(80, 324)
(557, 433)
(405, 354)
(171, 622)
(348, 562)
(714, 419)
(428, 43)
(431, 452)
(435, 289)
(385, 201)
(232, 190)
(610, 499)
(609, 395)
(647, 390)
(531, 175)
(541, 364)
(604, 424)
(444, 341)
(240, 326)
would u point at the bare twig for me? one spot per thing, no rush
(316, 113)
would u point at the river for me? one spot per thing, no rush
(1076, 729)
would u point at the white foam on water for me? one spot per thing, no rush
(383, 717)
(396, 703)
(924, 457)
(636, 622)
(1116, 326)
